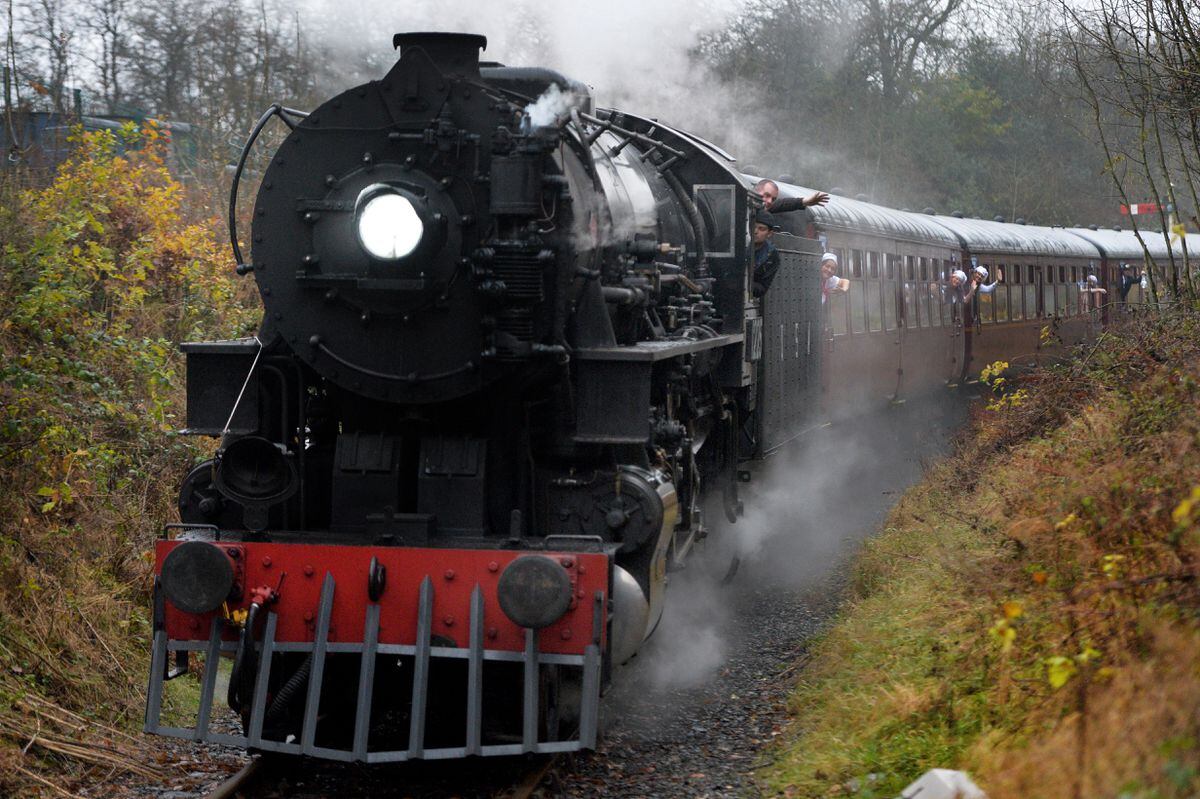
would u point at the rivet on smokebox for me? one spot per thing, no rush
(567, 562)
(449, 574)
(566, 634)
(266, 562)
(308, 615)
(448, 621)
(493, 566)
(492, 632)
(308, 570)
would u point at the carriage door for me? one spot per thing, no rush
(955, 357)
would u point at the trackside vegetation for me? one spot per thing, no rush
(1030, 613)
(103, 274)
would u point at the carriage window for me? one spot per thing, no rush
(909, 268)
(874, 306)
(1049, 308)
(1001, 302)
(910, 305)
(1060, 298)
(873, 265)
(1016, 295)
(843, 266)
(1062, 274)
(856, 263)
(1031, 294)
(985, 307)
(889, 304)
(838, 308)
(891, 266)
(858, 310)
(924, 262)
(933, 299)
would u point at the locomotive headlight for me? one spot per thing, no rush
(197, 577)
(534, 591)
(389, 227)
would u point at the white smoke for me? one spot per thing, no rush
(551, 107)
(634, 55)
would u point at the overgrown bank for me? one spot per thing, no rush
(1031, 611)
(103, 274)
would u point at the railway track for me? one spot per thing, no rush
(277, 778)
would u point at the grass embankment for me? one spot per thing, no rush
(1031, 611)
(102, 277)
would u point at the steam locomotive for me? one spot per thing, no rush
(509, 349)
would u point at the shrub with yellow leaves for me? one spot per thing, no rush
(105, 274)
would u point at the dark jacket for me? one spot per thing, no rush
(783, 205)
(1127, 282)
(766, 264)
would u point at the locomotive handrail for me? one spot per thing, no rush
(276, 109)
(641, 138)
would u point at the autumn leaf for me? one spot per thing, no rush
(1003, 634)
(1059, 670)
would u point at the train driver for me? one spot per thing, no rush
(769, 191)
(766, 257)
(830, 282)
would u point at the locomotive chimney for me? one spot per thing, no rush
(452, 53)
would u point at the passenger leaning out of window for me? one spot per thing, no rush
(960, 290)
(1091, 294)
(980, 274)
(1129, 279)
(766, 257)
(769, 191)
(830, 282)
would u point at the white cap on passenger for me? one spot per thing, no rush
(981, 271)
(829, 256)
(960, 274)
